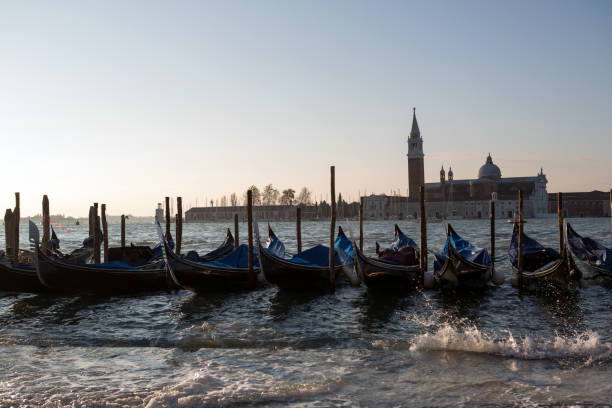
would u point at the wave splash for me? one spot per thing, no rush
(470, 339)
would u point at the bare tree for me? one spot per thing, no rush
(269, 195)
(233, 200)
(287, 197)
(224, 201)
(305, 196)
(256, 195)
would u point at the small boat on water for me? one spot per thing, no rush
(461, 264)
(597, 256)
(110, 277)
(310, 268)
(22, 277)
(224, 269)
(544, 269)
(396, 268)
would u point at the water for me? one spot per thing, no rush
(272, 348)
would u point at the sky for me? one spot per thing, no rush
(125, 102)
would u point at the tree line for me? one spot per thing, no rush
(270, 195)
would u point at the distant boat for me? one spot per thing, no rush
(77, 222)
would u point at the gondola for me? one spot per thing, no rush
(461, 264)
(381, 274)
(110, 277)
(22, 277)
(544, 269)
(310, 268)
(597, 256)
(226, 273)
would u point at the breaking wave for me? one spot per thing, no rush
(470, 339)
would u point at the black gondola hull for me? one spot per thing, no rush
(20, 278)
(385, 276)
(200, 278)
(67, 277)
(562, 275)
(459, 272)
(292, 276)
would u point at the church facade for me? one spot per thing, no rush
(459, 198)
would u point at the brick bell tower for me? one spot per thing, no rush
(416, 169)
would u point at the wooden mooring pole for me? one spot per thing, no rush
(46, 224)
(104, 232)
(520, 240)
(423, 219)
(492, 219)
(168, 219)
(298, 228)
(332, 230)
(8, 233)
(252, 276)
(96, 234)
(179, 224)
(236, 232)
(92, 222)
(560, 220)
(361, 223)
(17, 219)
(122, 231)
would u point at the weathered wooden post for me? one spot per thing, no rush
(250, 235)
(520, 240)
(298, 228)
(17, 218)
(168, 219)
(92, 222)
(179, 224)
(236, 231)
(560, 220)
(492, 219)
(423, 219)
(96, 234)
(104, 232)
(611, 203)
(361, 223)
(122, 231)
(332, 231)
(8, 233)
(46, 224)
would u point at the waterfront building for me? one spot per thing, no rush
(459, 198)
(260, 213)
(582, 204)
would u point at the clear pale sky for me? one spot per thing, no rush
(124, 102)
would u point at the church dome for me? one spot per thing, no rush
(489, 170)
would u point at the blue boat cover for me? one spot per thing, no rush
(400, 240)
(226, 247)
(274, 245)
(319, 254)
(111, 265)
(530, 247)
(589, 250)
(466, 250)
(238, 258)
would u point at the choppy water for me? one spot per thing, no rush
(271, 348)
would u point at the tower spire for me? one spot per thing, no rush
(414, 132)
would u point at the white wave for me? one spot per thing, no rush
(471, 339)
(206, 390)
